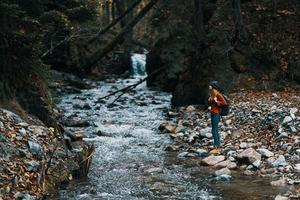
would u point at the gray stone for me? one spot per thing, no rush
(23, 124)
(281, 182)
(243, 145)
(287, 119)
(154, 170)
(35, 149)
(171, 148)
(293, 129)
(227, 163)
(248, 172)
(249, 155)
(21, 196)
(33, 166)
(297, 168)
(223, 177)
(283, 135)
(257, 163)
(22, 131)
(213, 160)
(206, 132)
(280, 162)
(224, 171)
(293, 110)
(265, 153)
(1, 125)
(190, 108)
(279, 197)
(183, 154)
(202, 152)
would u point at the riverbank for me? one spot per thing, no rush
(35, 159)
(260, 137)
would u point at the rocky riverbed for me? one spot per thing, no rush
(261, 137)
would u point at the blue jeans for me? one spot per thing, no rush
(215, 118)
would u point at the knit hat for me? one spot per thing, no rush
(215, 85)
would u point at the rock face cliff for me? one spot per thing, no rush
(243, 44)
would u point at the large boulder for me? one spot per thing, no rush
(249, 155)
(212, 160)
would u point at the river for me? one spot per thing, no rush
(130, 161)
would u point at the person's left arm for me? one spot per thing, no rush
(220, 100)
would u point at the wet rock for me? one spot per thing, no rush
(223, 177)
(35, 149)
(281, 182)
(268, 171)
(212, 160)
(249, 155)
(171, 148)
(76, 123)
(77, 106)
(167, 128)
(248, 172)
(183, 154)
(154, 170)
(279, 197)
(224, 171)
(280, 162)
(227, 163)
(265, 153)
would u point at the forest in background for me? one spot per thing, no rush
(251, 44)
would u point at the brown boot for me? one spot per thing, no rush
(215, 151)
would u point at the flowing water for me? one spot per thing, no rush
(130, 161)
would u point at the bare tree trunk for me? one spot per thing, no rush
(98, 55)
(108, 27)
(120, 5)
(199, 18)
(113, 10)
(240, 31)
(107, 12)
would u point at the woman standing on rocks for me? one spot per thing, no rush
(216, 101)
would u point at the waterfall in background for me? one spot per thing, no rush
(138, 64)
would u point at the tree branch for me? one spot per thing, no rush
(98, 55)
(115, 21)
